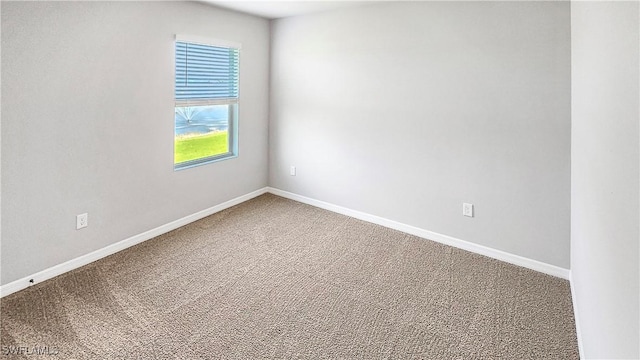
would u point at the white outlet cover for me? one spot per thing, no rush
(82, 221)
(292, 171)
(467, 209)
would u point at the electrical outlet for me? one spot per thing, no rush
(467, 209)
(82, 221)
(292, 171)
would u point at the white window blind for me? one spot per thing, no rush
(205, 74)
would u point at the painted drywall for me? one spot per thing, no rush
(605, 187)
(407, 110)
(88, 124)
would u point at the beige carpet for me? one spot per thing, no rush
(272, 278)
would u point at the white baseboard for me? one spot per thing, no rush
(430, 235)
(59, 269)
(576, 315)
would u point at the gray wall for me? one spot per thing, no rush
(407, 110)
(87, 124)
(605, 187)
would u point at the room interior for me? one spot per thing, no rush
(392, 113)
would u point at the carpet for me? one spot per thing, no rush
(272, 278)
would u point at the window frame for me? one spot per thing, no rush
(232, 115)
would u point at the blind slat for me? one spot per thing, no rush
(205, 102)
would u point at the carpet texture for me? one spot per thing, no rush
(272, 278)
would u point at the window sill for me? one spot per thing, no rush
(204, 161)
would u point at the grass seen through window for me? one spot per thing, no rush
(202, 133)
(197, 146)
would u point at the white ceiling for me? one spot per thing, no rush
(283, 8)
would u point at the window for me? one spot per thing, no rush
(206, 101)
